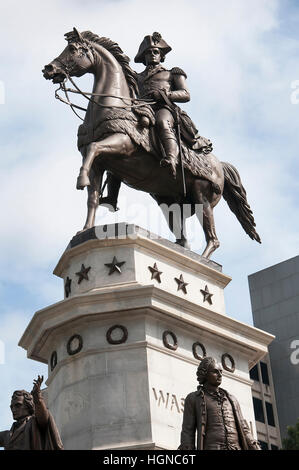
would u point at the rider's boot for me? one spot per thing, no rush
(110, 201)
(171, 150)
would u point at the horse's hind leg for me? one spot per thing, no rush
(202, 194)
(209, 230)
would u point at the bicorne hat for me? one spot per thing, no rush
(155, 40)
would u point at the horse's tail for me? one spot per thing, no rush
(235, 195)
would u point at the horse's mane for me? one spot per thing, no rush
(122, 59)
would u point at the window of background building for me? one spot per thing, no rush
(265, 375)
(270, 415)
(264, 445)
(258, 410)
(253, 374)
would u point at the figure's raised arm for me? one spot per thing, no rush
(41, 411)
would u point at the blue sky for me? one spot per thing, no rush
(241, 58)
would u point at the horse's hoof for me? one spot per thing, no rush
(210, 248)
(83, 230)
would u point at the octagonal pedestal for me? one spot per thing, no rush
(123, 346)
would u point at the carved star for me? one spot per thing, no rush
(83, 273)
(207, 296)
(115, 266)
(181, 284)
(155, 272)
(67, 286)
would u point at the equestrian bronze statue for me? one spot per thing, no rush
(134, 131)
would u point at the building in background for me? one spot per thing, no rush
(275, 306)
(266, 417)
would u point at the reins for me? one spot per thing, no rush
(87, 95)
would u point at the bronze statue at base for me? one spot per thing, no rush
(34, 427)
(214, 414)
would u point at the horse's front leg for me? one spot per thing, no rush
(93, 198)
(116, 144)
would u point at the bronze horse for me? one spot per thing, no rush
(112, 139)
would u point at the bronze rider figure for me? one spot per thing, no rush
(165, 87)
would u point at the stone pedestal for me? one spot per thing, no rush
(123, 346)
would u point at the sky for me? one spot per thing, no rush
(241, 59)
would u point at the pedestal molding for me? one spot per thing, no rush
(148, 297)
(136, 345)
(94, 351)
(152, 247)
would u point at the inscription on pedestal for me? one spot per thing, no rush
(168, 401)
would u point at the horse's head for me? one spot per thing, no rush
(75, 60)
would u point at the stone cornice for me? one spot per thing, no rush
(104, 303)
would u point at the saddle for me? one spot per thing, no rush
(188, 130)
(133, 122)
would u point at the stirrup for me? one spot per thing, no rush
(166, 162)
